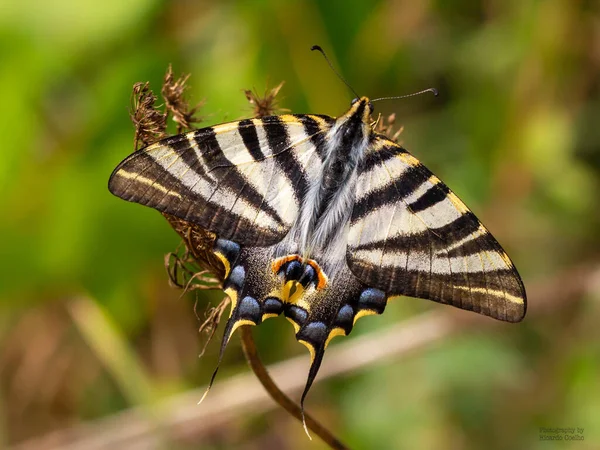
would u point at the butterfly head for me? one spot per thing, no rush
(352, 129)
(361, 108)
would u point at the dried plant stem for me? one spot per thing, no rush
(276, 394)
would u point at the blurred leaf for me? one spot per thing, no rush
(111, 347)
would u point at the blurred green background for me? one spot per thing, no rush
(89, 326)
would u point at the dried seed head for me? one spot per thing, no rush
(385, 126)
(150, 123)
(172, 92)
(265, 105)
(199, 243)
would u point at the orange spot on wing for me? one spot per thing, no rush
(321, 277)
(276, 265)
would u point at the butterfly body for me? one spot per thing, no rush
(320, 230)
(322, 220)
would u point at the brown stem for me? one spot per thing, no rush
(276, 394)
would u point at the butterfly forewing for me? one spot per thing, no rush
(243, 180)
(410, 235)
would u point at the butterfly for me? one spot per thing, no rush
(322, 220)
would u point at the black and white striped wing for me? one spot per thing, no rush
(410, 235)
(244, 181)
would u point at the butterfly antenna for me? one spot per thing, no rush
(432, 90)
(319, 49)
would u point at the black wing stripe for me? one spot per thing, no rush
(183, 147)
(375, 158)
(484, 242)
(437, 193)
(165, 184)
(408, 279)
(247, 131)
(455, 231)
(316, 135)
(394, 191)
(279, 143)
(206, 139)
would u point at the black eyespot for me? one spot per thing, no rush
(354, 100)
(371, 108)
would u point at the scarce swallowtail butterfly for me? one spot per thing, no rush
(322, 219)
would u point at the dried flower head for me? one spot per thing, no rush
(198, 252)
(150, 123)
(385, 126)
(172, 92)
(197, 268)
(265, 105)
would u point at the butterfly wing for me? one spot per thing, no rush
(410, 235)
(244, 181)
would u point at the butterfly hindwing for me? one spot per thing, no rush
(243, 180)
(261, 285)
(410, 235)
